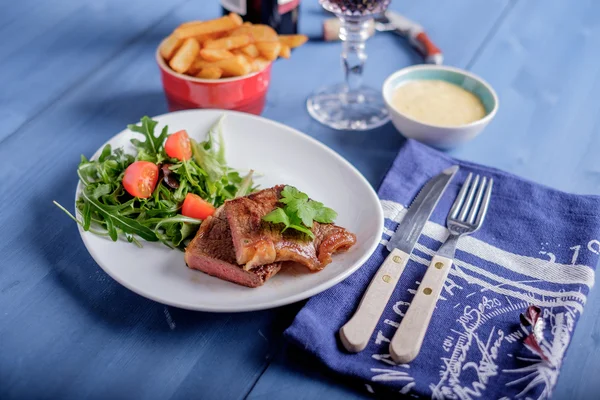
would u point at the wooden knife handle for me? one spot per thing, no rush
(356, 333)
(407, 342)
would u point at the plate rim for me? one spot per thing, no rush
(265, 305)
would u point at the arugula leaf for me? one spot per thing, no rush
(131, 239)
(101, 190)
(180, 232)
(113, 220)
(105, 153)
(245, 185)
(207, 160)
(87, 216)
(217, 131)
(95, 232)
(111, 229)
(148, 149)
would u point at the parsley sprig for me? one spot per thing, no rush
(299, 212)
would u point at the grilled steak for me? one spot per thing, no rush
(211, 251)
(258, 242)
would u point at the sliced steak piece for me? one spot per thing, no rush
(331, 239)
(211, 251)
(258, 242)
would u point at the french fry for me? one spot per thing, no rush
(209, 36)
(169, 46)
(215, 54)
(258, 33)
(225, 23)
(284, 51)
(236, 19)
(259, 63)
(250, 60)
(185, 56)
(293, 40)
(200, 63)
(197, 65)
(210, 73)
(250, 50)
(236, 66)
(239, 53)
(269, 50)
(247, 23)
(228, 43)
(190, 23)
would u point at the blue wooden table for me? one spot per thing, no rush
(74, 73)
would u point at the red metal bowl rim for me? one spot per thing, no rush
(163, 66)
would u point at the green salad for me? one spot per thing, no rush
(161, 193)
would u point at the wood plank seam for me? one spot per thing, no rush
(266, 365)
(494, 29)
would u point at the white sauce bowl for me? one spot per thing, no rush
(443, 137)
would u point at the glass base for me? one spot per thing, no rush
(356, 110)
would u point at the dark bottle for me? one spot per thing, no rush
(282, 15)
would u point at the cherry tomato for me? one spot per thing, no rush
(178, 146)
(140, 179)
(195, 206)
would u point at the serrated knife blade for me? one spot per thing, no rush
(355, 334)
(408, 231)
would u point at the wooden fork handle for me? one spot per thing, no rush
(407, 342)
(356, 333)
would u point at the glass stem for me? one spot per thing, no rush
(354, 33)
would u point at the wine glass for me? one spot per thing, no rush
(350, 105)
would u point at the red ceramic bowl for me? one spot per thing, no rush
(245, 93)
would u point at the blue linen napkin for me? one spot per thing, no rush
(537, 246)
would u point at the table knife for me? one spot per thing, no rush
(465, 218)
(355, 334)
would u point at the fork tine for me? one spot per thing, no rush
(460, 198)
(484, 204)
(477, 202)
(467, 205)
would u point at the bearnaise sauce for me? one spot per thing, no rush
(437, 102)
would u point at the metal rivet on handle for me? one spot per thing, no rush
(439, 265)
(387, 278)
(396, 259)
(427, 290)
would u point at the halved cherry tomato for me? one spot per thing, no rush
(195, 206)
(140, 179)
(178, 146)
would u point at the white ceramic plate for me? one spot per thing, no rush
(284, 156)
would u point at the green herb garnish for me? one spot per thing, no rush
(299, 212)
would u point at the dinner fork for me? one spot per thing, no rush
(465, 217)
